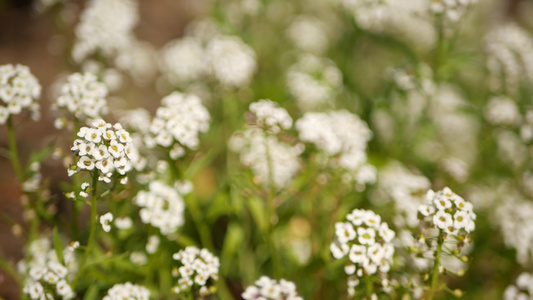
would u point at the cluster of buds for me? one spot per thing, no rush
(105, 148)
(198, 272)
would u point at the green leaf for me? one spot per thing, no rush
(258, 209)
(92, 293)
(43, 154)
(58, 246)
(199, 164)
(219, 206)
(232, 242)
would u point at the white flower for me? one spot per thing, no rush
(102, 149)
(230, 61)
(198, 267)
(366, 236)
(339, 251)
(19, 90)
(344, 232)
(266, 288)
(153, 244)
(106, 220)
(161, 206)
(127, 291)
(123, 223)
(357, 253)
(442, 219)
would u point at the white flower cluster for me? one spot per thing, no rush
(272, 161)
(509, 58)
(231, 61)
(180, 119)
(162, 207)
(366, 240)
(227, 58)
(103, 147)
(448, 212)
(308, 34)
(183, 60)
(407, 189)
(106, 26)
(343, 148)
(516, 224)
(270, 116)
(19, 90)
(502, 111)
(523, 290)
(270, 289)
(314, 82)
(83, 96)
(198, 271)
(453, 10)
(47, 277)
(127, 291)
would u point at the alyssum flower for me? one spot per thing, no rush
(266, 288)
(366, 241)
(19, 90)
(448, 212)
(127, 291)
(198, 271)
(104, 148)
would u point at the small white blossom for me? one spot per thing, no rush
(127, 291)
(106, 220)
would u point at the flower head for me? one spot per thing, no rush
(266, 288)
(366, 241)
(449, 212)
(198, 271)
(19, 90)
(127, 291)
(104, 148)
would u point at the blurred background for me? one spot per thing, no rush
(40, 33)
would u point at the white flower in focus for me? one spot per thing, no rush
(198, 271)
(447, 211)
(366, 241)
(105, 148)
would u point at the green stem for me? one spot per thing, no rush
(90, 244)
(271, 214)
(13, 153)
(435, 274)
(76, 185)
(369, 286)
